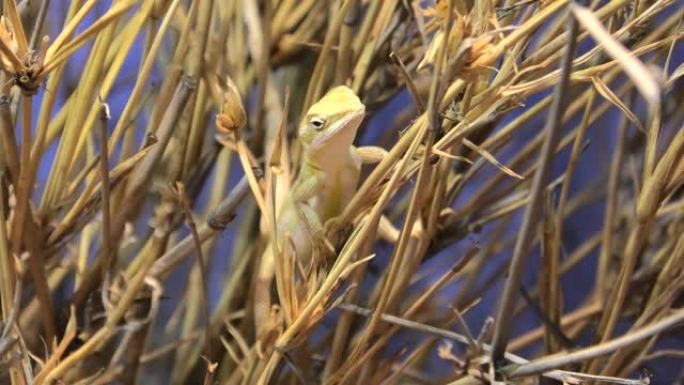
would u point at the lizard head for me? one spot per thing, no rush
(332, 121)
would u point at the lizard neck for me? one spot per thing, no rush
(333, 152)
(327, 159)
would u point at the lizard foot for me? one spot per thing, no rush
(337, 231)
(322, 248)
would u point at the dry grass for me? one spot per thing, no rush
(85, 265)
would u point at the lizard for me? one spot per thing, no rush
(327, 179)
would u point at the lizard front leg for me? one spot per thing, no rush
(303, 193)
(371, 154)
(386, 231)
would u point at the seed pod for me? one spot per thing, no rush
(232, 115)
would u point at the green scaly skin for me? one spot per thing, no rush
(327, 180)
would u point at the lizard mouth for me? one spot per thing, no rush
(349, 123)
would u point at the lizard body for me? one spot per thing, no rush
(327, 179)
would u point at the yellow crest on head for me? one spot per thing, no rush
(333, 119)
(337, 101)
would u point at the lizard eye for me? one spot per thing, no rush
(317, 123)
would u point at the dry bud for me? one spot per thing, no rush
(232, 115)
